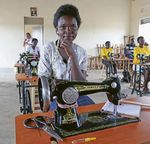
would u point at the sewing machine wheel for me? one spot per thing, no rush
(70, 95)
(34, 63)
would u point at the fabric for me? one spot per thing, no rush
(106, 51)
(51, 62)
(35, 51)
(138, 50)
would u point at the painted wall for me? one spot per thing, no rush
(139, 9)
(101, 20)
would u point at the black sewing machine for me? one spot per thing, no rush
(66, 93)
(30, 62)
(143, 58)
(67, 121)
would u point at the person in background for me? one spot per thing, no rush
(128, 52)
(63, 59)
(27, 41)
(33, 49)
(142, 49)
(107, 57)
(129, 49)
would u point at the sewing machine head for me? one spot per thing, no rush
(67, 92)
(112, 55)
(143, 57)
(30, 61)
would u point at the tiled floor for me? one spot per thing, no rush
(9, 102)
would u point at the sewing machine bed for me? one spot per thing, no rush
(96, 120)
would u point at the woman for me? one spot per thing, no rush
(64, 59)
(107, 59)
(34, 49)
(27, 41)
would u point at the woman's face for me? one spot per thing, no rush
(67, 28)
(28, 36)
(107, 45)
(141, 41)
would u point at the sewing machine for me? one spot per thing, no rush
(67, 92)
(67, 121)
(30, 63)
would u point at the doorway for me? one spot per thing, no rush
(35, 27)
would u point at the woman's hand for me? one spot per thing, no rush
(67, 46)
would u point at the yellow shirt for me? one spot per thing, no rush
(105, 51)
(138, 50)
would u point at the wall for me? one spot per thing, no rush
(101, 20)
(139, 9)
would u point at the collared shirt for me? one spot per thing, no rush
(51, 62)
(138, 50)
(106, 51)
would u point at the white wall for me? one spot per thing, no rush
(101, 20)
(139, 9)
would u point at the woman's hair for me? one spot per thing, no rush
(66, 10)
(139, 38)
(107, 42)
(34, 39)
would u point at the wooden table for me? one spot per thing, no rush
(24, 77)
(134, 133)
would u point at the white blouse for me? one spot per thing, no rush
(35, 51)
(51, 63)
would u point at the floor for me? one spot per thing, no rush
(9, 103)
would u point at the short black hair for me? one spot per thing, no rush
(107, 42)
(34, 39)
(67, 10)
(139, 38)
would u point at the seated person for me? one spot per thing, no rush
(63, 59)
(33, 49)
(107, 58)
(142, 49)
(129, 49)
